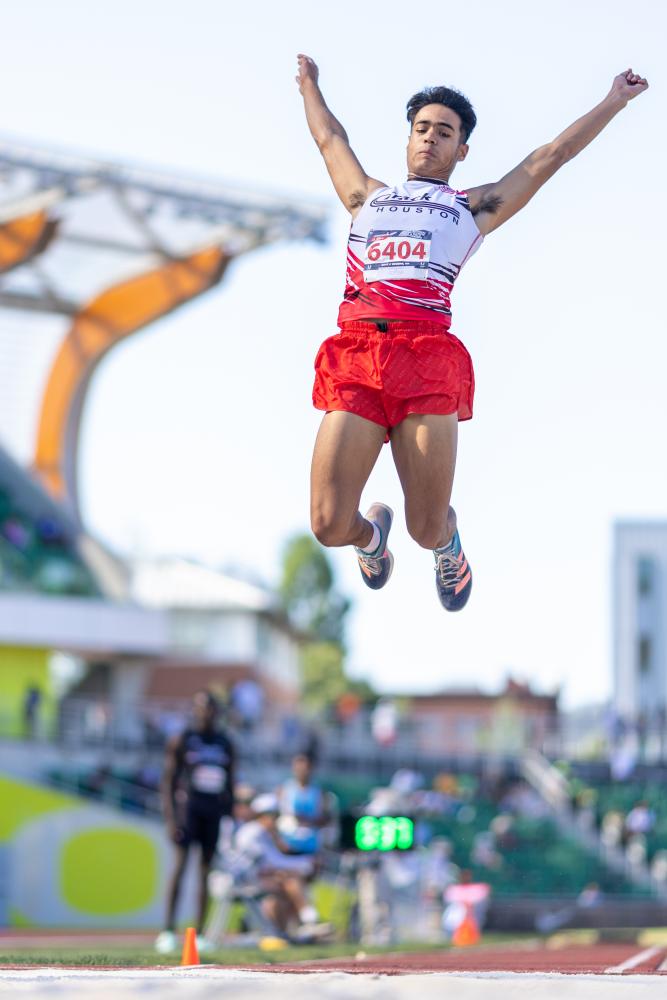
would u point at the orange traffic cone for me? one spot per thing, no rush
(467, 932)
(190, 954)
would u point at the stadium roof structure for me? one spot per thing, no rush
(90, 253)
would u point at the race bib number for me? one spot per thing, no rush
(209, 779)
(395, 254)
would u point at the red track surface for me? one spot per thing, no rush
(531, 957)
(572, 959)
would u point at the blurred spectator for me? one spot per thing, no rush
(406, 781)
(384, 722)
(197, 787)
(585, 804)
(623, 758)
(247, 701)
(303, 808)
(96, 718)
(611, 830)
(659, 867)
(243, 796)
(31, 703)
(348, 707)
(640, 819)
(282, 876)
(523, 800)
(483, 852)
(635, 851)
(590, 896)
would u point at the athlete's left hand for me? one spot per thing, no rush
(628, 85)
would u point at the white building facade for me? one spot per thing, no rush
(640, 619)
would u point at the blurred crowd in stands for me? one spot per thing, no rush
(483, 827)
(37, 555)
(629, 817)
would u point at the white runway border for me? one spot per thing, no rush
(206, 983)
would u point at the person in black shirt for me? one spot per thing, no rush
(197, 791)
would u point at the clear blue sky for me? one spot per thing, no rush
(199, 431)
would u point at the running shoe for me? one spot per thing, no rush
(453, 576)
(376, 567)
(166, 943)
(204, 945)
(309, 933)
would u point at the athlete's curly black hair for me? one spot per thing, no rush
(452, 99)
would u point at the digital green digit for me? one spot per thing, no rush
(367, 833)
(387, 833)
(405, 833)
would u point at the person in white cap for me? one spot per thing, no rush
(281, 874)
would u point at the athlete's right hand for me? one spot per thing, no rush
(307, 70)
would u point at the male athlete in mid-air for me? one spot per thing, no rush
(394, 371)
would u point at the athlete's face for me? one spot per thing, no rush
(435, 145)
(301, 768)
(204, 711)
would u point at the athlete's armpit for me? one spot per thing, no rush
(356, 200)
(487, 203)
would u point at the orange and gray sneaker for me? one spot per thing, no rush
(453, 576)
(376, 566)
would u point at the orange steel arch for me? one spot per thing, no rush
(113, 315)
(23, 238)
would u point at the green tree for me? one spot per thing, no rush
(314, 605)
(308, 593)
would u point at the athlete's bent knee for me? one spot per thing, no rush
(330, 531)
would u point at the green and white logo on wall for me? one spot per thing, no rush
(71, 864)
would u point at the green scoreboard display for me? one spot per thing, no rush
(378, 833)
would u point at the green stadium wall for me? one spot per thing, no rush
(21, 668)
(65, 863)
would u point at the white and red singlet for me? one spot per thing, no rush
(406, 248)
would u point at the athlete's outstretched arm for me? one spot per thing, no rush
(352, 183)
(493, 204)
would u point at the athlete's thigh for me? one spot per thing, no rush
(424, 451)
(346, 449)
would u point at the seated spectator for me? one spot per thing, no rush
(611, 830)
(484, 853)
(640, 819)
(243, 798)
(659, 866)
(590, 896)
(635, 850)
(502, 828)
(303, 808)
(282, 875)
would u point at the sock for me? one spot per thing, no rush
(452, 547)
(374, 543)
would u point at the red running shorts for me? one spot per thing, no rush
(416, 366)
